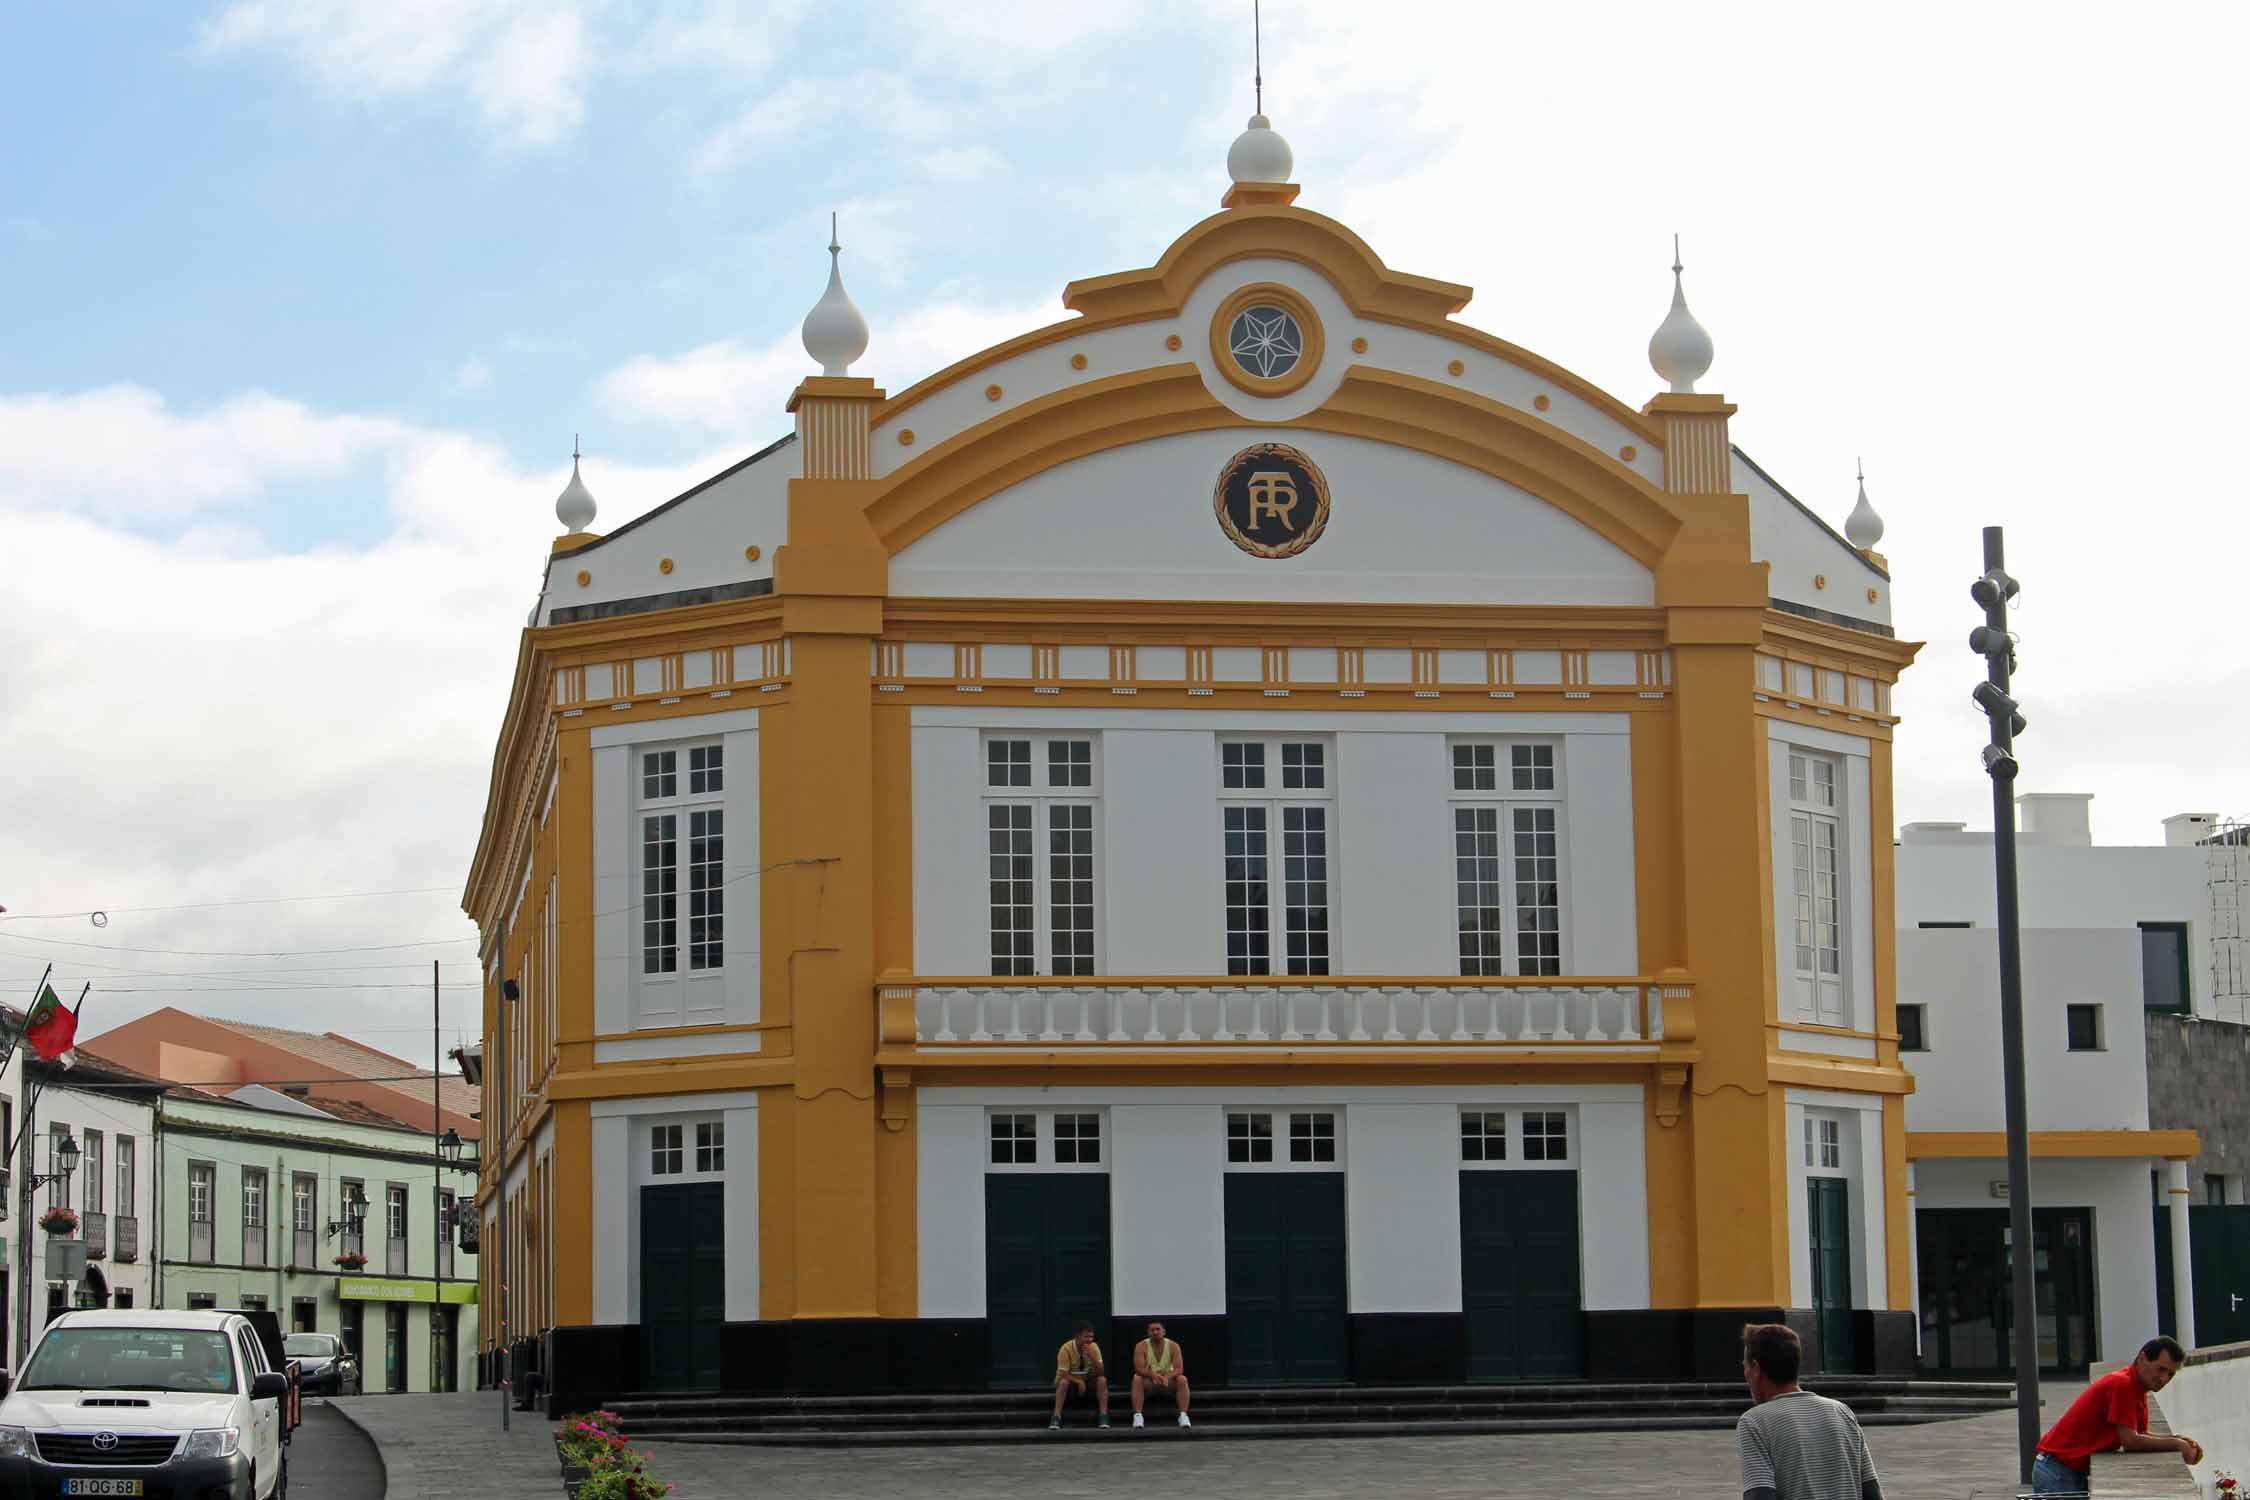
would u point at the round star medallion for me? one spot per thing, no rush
(1271, 500)
(1266, 339)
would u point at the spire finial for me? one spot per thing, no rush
(1257, 60)
(1259, 154)
(1680, 350)
(574, 507)
(834, 332)
(1863, 528)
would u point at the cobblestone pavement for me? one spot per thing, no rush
(451, 1445)
(331, 1459)
(1939, 1461)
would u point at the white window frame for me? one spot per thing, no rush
(93, 1164)
(1045, 1156)
(254, 1205)
(1518, 1137)
(691, 1130)
(1045, 800)
(711, 1146)
(1824, 1129)
(664, 784)
(126, 1175)
(1818, 802)
(1517, 802)
(1254, 816)
(1280, 1125)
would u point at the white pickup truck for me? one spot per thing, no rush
(157, 1405)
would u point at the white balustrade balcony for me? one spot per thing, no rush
(1260, 1013)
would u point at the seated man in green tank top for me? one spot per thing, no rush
(1159, 1368)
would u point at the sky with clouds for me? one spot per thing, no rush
(306, 300)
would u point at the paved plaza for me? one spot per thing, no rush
(450, 1445)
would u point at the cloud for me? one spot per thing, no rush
(737, 388)
(523, 64)
(121, 452)
(473, 375)
(203, 716)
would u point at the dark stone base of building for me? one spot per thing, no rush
(572, 1369)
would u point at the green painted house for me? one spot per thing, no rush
(266, 1199)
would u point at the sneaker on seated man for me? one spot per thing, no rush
(1159, 1369)
(1078, 1364)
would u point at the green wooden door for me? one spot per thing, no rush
(1831, 1221)
(683, 1285)
(1046, 1268)
(2219, 1257)
(1285, 1278)
(1520, 1288)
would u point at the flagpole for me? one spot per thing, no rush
(15, 1035)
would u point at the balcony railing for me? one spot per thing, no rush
(394, 1257)
(199, 1241)
(93, 1228)
(304, 1249)
(253, 1244)
(126, 1238)
(1257, 1013)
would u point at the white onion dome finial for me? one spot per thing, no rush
(1863, 528)
(574, 507)
(835, 334)
(1259, 154)
(1680, 351)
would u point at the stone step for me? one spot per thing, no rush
(1216, 1429)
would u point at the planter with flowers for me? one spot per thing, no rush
(597, 1464)
(59, 1220)
(351, 1260)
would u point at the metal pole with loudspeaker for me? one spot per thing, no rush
(1992, 641)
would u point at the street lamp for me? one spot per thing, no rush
(355, 1212)
(63, 1157)
(450, 1147)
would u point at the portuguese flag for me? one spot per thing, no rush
(49, 1027)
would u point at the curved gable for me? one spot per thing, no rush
(1136, 521)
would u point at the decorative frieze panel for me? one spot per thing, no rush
(1824, 689)
(1274, 668)
(714, 670)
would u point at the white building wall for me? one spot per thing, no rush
(1946, 876)
(2124, 1230)
(623, 999)
(1861, 1116)
(1401, 1156)
(1955, 973)
(621, 1168)
(1158, 844)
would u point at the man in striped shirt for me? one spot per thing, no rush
(1795, 1445)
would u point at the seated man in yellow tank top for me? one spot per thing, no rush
(1159, 1368)
(1078, 1362)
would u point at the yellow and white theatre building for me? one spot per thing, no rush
(1258, 804)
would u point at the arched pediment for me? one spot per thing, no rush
(1600, 493)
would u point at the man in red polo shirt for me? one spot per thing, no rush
(2111, 1413)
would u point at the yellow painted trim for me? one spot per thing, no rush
(572, 1161)
(1857, 1075)
(1898, 1233)
(661, 1080)
(1955, 1145)
(657, 1033)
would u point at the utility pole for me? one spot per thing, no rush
(437, 1183)
(1992, 641)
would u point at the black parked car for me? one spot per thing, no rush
(327, 1368)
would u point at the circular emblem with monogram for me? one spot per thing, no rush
(1271, 500)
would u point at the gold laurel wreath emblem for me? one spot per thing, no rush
(1267, 453)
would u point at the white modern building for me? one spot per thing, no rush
(2118, 943)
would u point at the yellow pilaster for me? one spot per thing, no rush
(1715, 600)
(831, 578)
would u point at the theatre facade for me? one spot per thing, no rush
(1258, 804)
